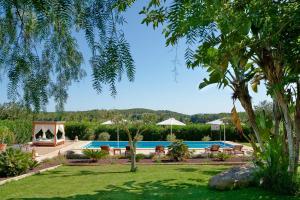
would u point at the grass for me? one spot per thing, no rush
(115, 182)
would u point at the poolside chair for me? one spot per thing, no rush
(215, 148)
(160, 149)
(105, 148)
(127, 151)
(237, 149)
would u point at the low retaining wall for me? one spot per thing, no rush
(27, 175)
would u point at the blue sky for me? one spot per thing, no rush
(154, 86)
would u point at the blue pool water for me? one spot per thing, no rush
(153, 144)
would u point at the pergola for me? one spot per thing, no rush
(53, 127)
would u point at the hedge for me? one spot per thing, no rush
(194, 132)
(91, 130)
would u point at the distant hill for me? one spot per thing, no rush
(134, 114)
(13, 111)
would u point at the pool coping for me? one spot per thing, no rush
(228, 142)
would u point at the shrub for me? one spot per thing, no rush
(104, 136)
(14, 162)
(94, 155)
(139, 157)
(73, 155)
(33, 164)
(82, 130)
(171, 137)
(221, 156)
(178, 151)
(206, 138)
(273, 172)
(6, 135)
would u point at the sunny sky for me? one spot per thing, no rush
(154, 86)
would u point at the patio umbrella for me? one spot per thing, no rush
(172, 122)
(215, 125)
(109, 122)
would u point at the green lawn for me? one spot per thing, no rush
(115, 182)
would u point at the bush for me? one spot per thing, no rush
(22, 130)
(84, 131)
(178, 151)
(73, 155)
(139, 157)
(14, 162)
(221, 156)
(94, 155)
(273, 172)
(171, 137)
(6, 135)
(104, 136)
(206, 138)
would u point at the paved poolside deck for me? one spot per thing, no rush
(50, 152)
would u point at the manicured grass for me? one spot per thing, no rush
(115, 182)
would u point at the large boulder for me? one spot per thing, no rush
(235, 177)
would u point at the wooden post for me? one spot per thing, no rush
(54, 134)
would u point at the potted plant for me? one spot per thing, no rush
(6, 137)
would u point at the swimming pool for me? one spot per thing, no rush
(153, 144)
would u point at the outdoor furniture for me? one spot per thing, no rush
(237, 149)
(160, 150)
(105, 148)
(117, 150)
(48, 126)
(127, 151)
(215, 148)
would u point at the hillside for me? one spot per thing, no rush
(10, 111)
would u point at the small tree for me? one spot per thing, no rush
(135, 135)
(104, 136)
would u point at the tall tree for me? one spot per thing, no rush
(39, 52)
(227, 37)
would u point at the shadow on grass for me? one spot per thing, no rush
(57, 173)
(165, 189)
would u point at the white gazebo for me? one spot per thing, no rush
(215, 126)
(53, 127)
(171, 122)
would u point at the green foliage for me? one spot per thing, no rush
(6, 135)
(94, 155)
(104, 136)
(40, 56)
(139, 157)
(221, 156)
(22, 129)
(171, 137)
(178, 151)
(206, 138)
(73, 155)
(273, 169)
(14, 162)
(192, 132)
(82, 130)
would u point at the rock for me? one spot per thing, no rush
(236, 177)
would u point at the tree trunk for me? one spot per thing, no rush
(297, 127)
(133, 157)
(276, 116)
(245, 99)
(289, 129)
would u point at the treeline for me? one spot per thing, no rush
(12, 111)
